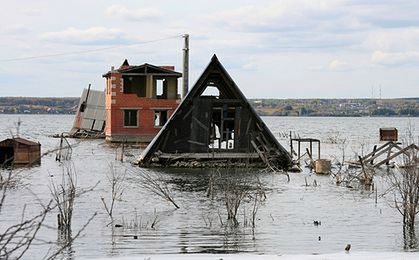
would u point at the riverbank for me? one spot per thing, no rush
(265, 107)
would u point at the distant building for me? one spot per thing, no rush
(139, 100)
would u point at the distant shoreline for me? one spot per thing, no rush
(313, 116)
(320, 107)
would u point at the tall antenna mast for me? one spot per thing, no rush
(185, 75)
(372, 92)
(380, 91)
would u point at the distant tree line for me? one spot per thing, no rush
(36, 105)
(265, 107)
(337, 107)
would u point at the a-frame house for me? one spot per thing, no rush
(215, 123)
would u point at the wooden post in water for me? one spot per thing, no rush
(299, 144)
(311, 147)
(319, 148)
(292, 152)
(373, 153)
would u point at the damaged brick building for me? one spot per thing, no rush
(138, 101)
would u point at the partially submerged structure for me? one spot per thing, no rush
(139, 100)
(90, 117)
(215, 124)
(19, 151)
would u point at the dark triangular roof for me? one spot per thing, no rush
(20, 140)
(145, 69)
(214, 75)
(125, 63)
(149, 69)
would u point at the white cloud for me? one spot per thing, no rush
(32, 12)
(395, 58)
(93, 35)
(399, 39)
(16, 29)
(337, 65)
(278, 16)
(132, 14)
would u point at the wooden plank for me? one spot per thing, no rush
(165, 140)
(305, 140)
(197, 143)
(215, 155)
(187, 114)
(265, 148)
(404, 150)
(200, 124)
(261, 155)
(377, 154)
(374, 151)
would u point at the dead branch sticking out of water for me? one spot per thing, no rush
(68, 241)
(64, 195)
(157, 185)
(116, 180)
(258, 196)
(405, 186)
(137, 223)
(17, 238)
(235, 190)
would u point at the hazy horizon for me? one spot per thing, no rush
(375, 98)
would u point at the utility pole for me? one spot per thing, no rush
(185, 75)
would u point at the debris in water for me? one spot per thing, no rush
(317, 222)
(348, 247)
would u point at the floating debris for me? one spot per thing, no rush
(90, 117)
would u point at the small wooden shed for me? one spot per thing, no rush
(19, 151)
(388, 134)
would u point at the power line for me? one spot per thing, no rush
(85, 51)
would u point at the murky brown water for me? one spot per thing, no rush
(285, 220)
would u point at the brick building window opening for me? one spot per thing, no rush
(130, 117)
(161, 89)
(160, 118)
(134, 85)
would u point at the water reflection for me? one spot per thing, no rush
(409, 239)
(64, 245)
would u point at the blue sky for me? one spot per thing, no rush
(272, 49)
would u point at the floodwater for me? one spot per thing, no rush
(284, 223)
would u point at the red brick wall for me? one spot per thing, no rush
(115, 113)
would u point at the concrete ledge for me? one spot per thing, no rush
(129, 138)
